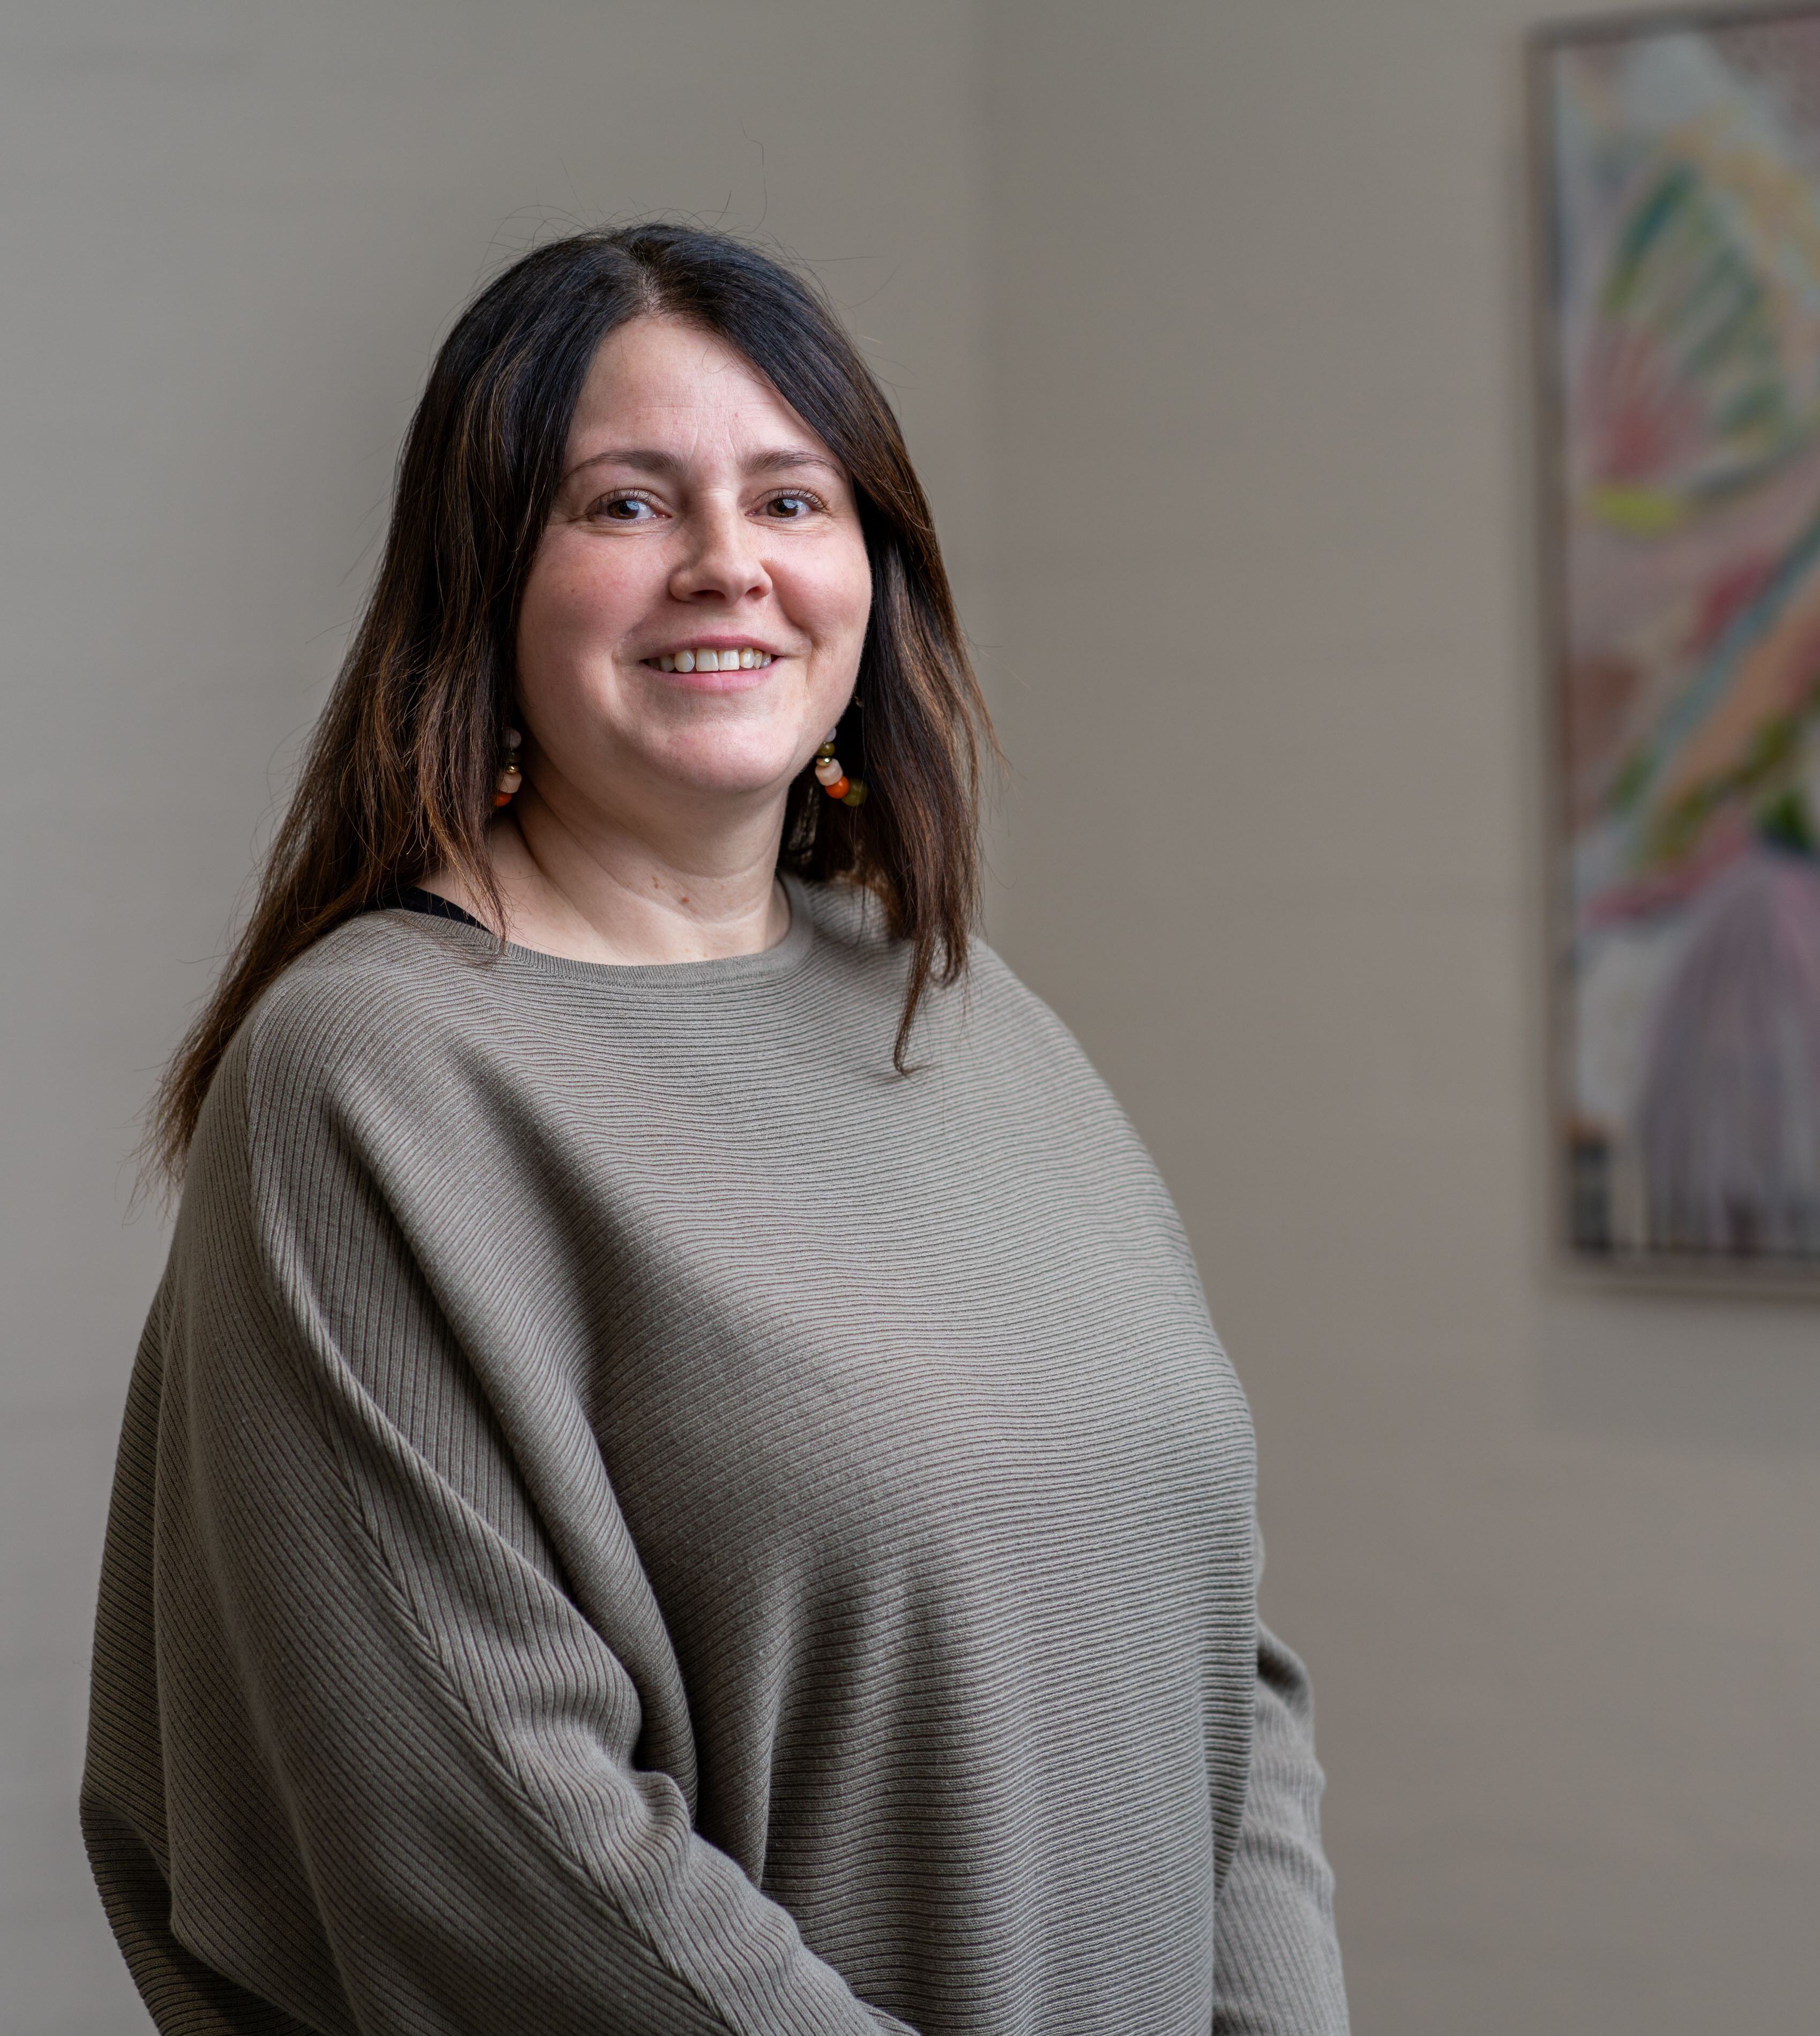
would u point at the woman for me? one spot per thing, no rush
(678, 1478)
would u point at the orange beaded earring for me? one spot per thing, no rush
(510, 776)
(833, 779)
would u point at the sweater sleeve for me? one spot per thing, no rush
(358, 1761)
(1276, 1957)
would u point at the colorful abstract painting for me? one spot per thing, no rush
(1681, 169)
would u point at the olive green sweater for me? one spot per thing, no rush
(634, 1517)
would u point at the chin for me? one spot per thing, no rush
(720, 768)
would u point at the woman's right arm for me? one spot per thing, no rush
(358, 1761)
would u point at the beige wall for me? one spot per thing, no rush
(1268, 676)
(1206, 324)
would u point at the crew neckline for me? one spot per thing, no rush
(778, 958)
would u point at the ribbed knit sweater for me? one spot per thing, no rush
(634, 1516)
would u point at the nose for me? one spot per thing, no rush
(724, 562)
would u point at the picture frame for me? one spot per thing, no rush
(1676, 160)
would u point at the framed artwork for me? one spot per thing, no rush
(1679, 173)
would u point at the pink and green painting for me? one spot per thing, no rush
(1680, 165)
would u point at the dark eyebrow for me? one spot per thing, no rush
(782, 459)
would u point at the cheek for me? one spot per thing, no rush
(861, 595)
(579, 602)
(843, 595)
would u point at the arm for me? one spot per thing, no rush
(1276, 1958)
(381, 1779)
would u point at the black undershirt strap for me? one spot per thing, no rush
(413, 898)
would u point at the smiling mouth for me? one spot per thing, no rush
(747, 658)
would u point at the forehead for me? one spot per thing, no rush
(662, 381)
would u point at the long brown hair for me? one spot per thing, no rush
(398, 777)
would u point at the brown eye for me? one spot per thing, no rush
(622, 509)
(792, 508)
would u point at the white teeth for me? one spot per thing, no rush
(744, 660)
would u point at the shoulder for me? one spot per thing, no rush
(996, 988)
(355, 1019)
(1026, 1062)
(1007, 1020)
(988, 1008)
(369, 989)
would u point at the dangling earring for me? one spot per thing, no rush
(833, 779)
(510, 776)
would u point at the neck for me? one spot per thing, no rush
(692, 886)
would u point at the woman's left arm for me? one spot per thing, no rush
(1276, 1957)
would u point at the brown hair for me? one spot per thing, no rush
(398, 777)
